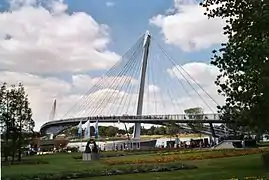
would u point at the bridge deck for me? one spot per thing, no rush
(179, 118)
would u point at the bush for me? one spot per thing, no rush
(104, 172)
(72, 149)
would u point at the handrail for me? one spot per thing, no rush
(170, 117)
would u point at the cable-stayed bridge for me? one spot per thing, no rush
(144, 86)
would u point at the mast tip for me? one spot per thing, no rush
(147, 33)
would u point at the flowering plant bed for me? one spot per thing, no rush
(249, 178)
(108, 171)
(181, 157)
(155, 151)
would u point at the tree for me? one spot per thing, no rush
(121, 131)
(172, 129)
(196, 113)
(111, 131)
(16, 119)
(131, 130)
(161, 130)
(151, 130)
(244, 60)
(102, 131)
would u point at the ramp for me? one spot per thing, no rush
(227, 144)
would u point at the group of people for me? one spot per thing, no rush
(197, 143)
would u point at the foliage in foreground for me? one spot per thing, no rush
(95, 172)
(241, 167)
(15, 119)
(265, 158)
(243, 61)
(156, 151)
(166, 158)
(24, 162)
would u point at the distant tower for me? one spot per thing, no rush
(53, 111)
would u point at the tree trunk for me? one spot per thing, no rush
(20, 143)
(13, 148)
(14, 145)
(13, 153)
(6, 153)
(19, 148)
(6, 149)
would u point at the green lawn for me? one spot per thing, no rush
(57, 163)
(223, 168)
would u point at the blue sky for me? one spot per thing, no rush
(59, 48)
(129, 19)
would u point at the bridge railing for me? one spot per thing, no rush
(155, 117)
(176, 117)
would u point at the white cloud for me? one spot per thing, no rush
(83, 82)
(153, 88)
(43, 90)
(202, 73)
(110, 4)
(14, 4)
(52, 40)
(41, 93)
(188, 28)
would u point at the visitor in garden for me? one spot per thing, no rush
(177, 141)
(95, 148)
(91, 147)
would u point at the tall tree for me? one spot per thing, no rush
(195, 113)
(24, 121)
(244, 60)
(16, 118)
(5, 120)
(172, 129)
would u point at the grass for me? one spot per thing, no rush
(57, 163)
(223, 168)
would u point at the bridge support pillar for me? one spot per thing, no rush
(137, 126)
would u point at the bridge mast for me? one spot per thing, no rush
(137, 126)
(53, 111)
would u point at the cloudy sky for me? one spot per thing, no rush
(59, 48)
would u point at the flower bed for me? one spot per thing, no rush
(249, 178)
(141, 152)
(188, 156)
(94, 172)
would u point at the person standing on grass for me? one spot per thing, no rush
(177, 141)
